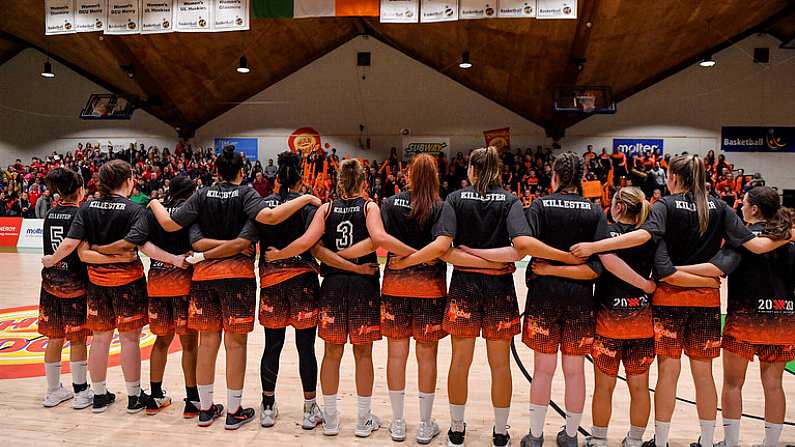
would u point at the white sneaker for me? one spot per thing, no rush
(312, 417)
(426, 431)
(83, 399)
(631, 442)
(591, 441)
(58, 396)
(366, 425)
(268, 417)
(398, 430)
(331, 424)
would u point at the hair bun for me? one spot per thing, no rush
(229, 151)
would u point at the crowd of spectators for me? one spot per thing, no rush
(526, 173)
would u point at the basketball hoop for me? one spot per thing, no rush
(586, 103)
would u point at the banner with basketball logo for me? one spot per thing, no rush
(90, 15)
(157, 16)
(438, 11)
(477, 9)
(516, 9)
(556, 9)
(499, 138)
(59, 17)
(231, 15)
(399, 11)
(193, 15)
(124, 17)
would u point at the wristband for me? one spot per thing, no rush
(195, 258)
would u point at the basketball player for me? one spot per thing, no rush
(168, 287)
(116, 292)
(693, 226)
(62, 300)
(349, 301)
(223, 291)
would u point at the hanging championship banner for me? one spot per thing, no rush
(59, 17)
(124, 17)
(516, 9)
(193, 15)
(556, 9)
(231, 15)
(90, 15)
(499, 138)
(439, 11)
(157, 16)
(399, 11)
(477, 9)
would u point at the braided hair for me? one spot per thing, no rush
(570, 168)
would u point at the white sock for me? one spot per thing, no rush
(636, 433)
(501, 420)
(133, 388)
(330, 404)
(79, 372)
(731, 432)
(572, 423)
(538, 414)
(233, 399)
(53, 373)
(99, 387)
(308, 404)
(363, 406)
(426, 406)
(599, 432)
(205, 396)
(396, 398)
(707, 432)
(457, 416)
(661, 430)
(772, 434)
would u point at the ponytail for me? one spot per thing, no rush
(288, 175)
(570, 168)
(486, 164)
(779, 220)
(351, 178)
(692, 178)
(65, 182)
(635, 204)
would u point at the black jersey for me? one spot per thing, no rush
(421, 281)
(221, 212)
(640, 259)
(346, 224)
(165, 280)
(761, 304)
(674, 218)
(561, 220)
(67, 279)
(104, 221)
(280, 236)
(492, 220)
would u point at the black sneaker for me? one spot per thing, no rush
(456, 438)
(498, 440)
(697, 443)
(191, 409)
(102, 402)
(136, 404)
(240, 417)
(206, 417)
(650, 443)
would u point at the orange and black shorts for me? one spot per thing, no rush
(169, 315)
(420, 318)
(696, 330)
(227, 304)
(63, 317)
(549, 327)
(293, 302)
(484, 304)
(766, 353)
(350, 308)
(118, 307)
(637, 355)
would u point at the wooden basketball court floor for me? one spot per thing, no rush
(25, 422)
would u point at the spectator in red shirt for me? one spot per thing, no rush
(262, 185)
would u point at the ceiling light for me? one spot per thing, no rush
(47, 72)
(243, 66)
(708, 61)
(465, 60)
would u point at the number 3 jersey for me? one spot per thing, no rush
(761, 308)
(346, 224)
(67, 279)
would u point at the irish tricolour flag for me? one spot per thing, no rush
(314, 8)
